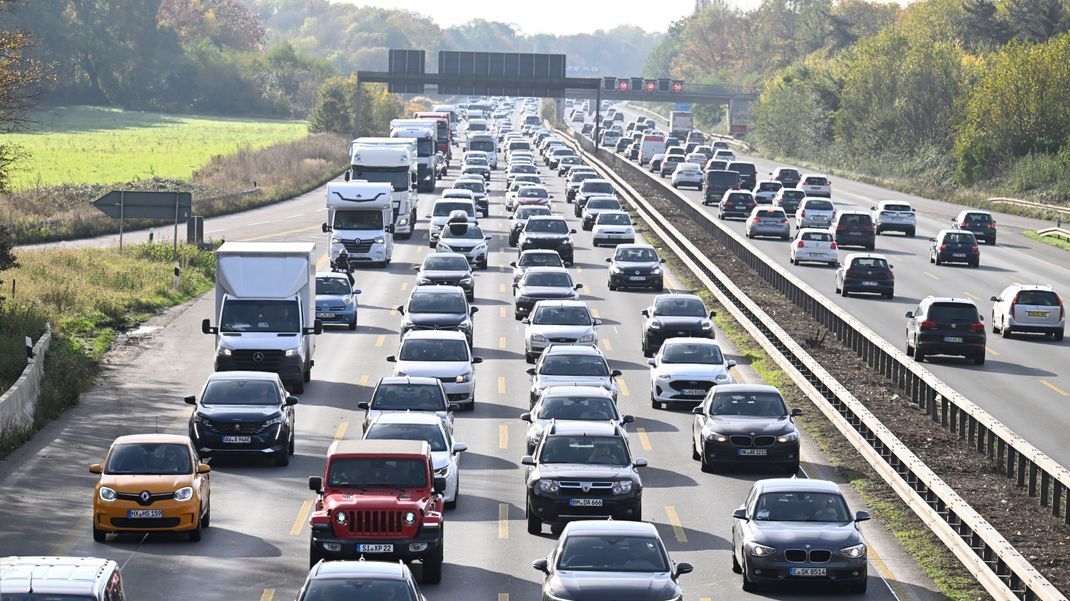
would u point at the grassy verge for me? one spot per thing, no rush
(277, 172)
(90, 296)
(939, 564)
(1050, 240)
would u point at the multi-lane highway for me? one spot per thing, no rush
(1024, 382)
(257, 546)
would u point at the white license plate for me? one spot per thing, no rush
(144, 513)
(807, 571)
(869, 283)
(237, 439)
(694, 391)
(379, 548)
(955, 339)
(585, 502)
(958, 255)
(636, 278)
(753, 452)
(1037, 313)
(325, 315)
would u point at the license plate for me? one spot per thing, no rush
(753, 452)
(694, 391)
(237, 439)
(325, 315)
(379, 548)
(869, 283)
(1037, 313)
(953, 339)
(636, 278)
(807, 571)
(144, 513)
(958, 255)
(585, 502)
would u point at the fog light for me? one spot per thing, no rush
(757, 571)
(333, 547)
(418, 547)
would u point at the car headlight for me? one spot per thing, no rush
(423, 281)
(184, 494)
(380, 240)
(293, 352)
(466, 280)
(523, 299)
(856, 552)
(586, 338)
(655, 325)
(465, 325)
(716, 437)
(656, 271)
(341, 517)
(107, 494)
(400, 373)
(789, 437)
(706, 325)
(480, 248)
(614, 269)
(199, 419)
(758, 550)
(622, 487)
(566, 242)
(548, 486)
(443, 247)
(538, 338)
(722, 377)
(275, 421)
(225, 352)
(443, 471)
(664, 376)
(465, 377)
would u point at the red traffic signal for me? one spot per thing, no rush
(650, 85)
(622, 85)
(677, 87)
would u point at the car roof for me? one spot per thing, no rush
(407, 417)
(947, 299)
(677, 295)
(418, 380)
(595, 180)
(547, 269)
(853, 256)
(334, 275)
(348, 569)
(805, 175)
(609, 527)
(435, 335)
(691, 340)
(548, 218)
(612, 212)
(158, 438)
(539, 251)
(572, 349)
(797, 485)
(59, 575)
(559, 303)
(953, 230)
(573, 390)
(441, 254)
(1040, 287)
(850, 212)
(684, 166)
(631, 246)
(584, 428)
(745, 388)
(361, 446)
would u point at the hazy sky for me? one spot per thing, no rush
(546, 16)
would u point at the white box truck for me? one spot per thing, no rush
(391, 161)
(359, 215)
(425, 132)
(681, 122)
(265, 309)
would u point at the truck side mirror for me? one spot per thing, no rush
(206, 327)
(389, 229)
(326, 228)
(317, 328)
(315, 483)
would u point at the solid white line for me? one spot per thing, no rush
(294, 215)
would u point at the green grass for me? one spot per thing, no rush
(1050, 240)
(90, 145)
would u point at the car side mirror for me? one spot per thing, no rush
(577, 286)
(459, 447)
(476, 360)
(639, 462)
(525, 321)
(796, 412)
(292, 400)
(596, 322)
(96, 469)
(697, 410)
(981, 317)
(486, 237)
(190, 400)
(608, 260)
(683, 568)
(731, 363)
(531, 371)
(740, 514)
(525, 417)
(417, 267)
(473, 310)
(527, 460)
(994, 299)
(572, 231)
(713, 314)
(512, 263)
(365, 405)
(616, 373)
(203, 468)
(357, 291)
(628, 419)
(661, 260)
(541, 565)
(909, 315)
(453, 407)
(861, 516)
(932, 239)
(315, 483)
(652, 362)
(440, 485)
(206, 327)
(644, 312)
(391, 358)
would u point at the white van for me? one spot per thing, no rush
(651, 144)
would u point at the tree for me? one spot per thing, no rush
(333, 111)
(223, 22)
(19, 79)
(7, 258)
(1037, 20)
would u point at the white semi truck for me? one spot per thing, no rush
(425, 132)
(359, 219)
(265, 309)
(391, 161)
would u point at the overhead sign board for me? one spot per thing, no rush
(406, 63)
(502, 73)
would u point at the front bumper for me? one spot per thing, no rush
(631, 280)
(786, 454)
(329, 546)
(331, 316)
(270, 441)
(557, 508)
(682, 390)
(290, 369)
(774, 569)
(462, 393)
(178, 516)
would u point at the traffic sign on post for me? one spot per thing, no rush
(677, 87)
(122, 205)
(650, 86)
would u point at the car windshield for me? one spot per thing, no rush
(1037, 298)
(240, 392)
(770, 214)
(358, 220)
(532, 192)
(540, 260)
(527, 179)
(801, 507)
(476, 162)
(636, 255)
(546, 226)
(870, 263)
(525, 212)
(679, 307)
(769, 186)
(464, 231)
(149, 458)
(603, 203)
(590, 187)
(445, 263)
(793, 194)
(281, 316)
(431, 433)
(818, 205)
(978, 218)
(614, 219)
(611, 553)
(749, 404)
(739, 197)
(787, 173)
(483, 145)
(602, 450)
(357, 587)
(722, 177)
(470, 185)
(523, 168)
(408, 397)
(709, 354)
(332, 286)
(578, 408)
(581, 176)
(367, 472)
(855, 219)
(561, 316)
(959, 238)
(574, 365)
(433, 350)
(743, 168)
(816, 181)
(817, 236)
(443, 209)
(553, 279)
(959, 312)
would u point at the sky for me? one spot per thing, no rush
(546, 16)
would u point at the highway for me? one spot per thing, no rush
(257, 546)
(1024, 382)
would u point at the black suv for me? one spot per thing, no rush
(447, 269)
(954, 246)
(748, 173)
(437, 307)
(854, 228)
(979, 222)
(582, 470)
(636, 266)
(549, 232)
(242, 412)
(865, 273)
(675, 316)
(360, 580)
(715, 183)
(946, 326)
(787, 175)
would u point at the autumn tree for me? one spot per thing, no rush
(19, 79)
(223, 22)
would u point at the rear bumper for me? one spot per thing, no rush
(859, 285)
(969, 348)
(291, 369)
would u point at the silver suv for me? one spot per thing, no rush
(560, 322)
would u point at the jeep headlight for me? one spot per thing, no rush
(722, 377)
(184, 494)
(107, 494)
(716, 437)
(341, 517)
(856, 552)
(293, 352)
(549, 486)
(789, 437)
(622, 487)
(664, 376)
(443, 247)
(481, 247)
(759, 550)
(409, 518)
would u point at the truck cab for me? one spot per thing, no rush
(359, 219)
(265, 309)
(425, 132)
(484, 142)
(381, 500)
(444, 139)
(391, 161)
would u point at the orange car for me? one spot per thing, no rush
(151, 483)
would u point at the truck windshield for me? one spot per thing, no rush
(377, 473)
(260, 316)
(425, 147)
(358, 220)
(397, 177)
(481, 145)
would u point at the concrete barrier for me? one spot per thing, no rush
(19, 403)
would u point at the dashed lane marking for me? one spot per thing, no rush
(380, 340)
(341, 431)
(503, 436)
(279, 234)
(268, 594)
(644, 439)
(302, 514)
(927, 274)
(501, 384)
(624, 388)
(502, 288)
(503, 520)
(971, 296)
(596, 314)
(990, 351)
(677, 525)
(607, 345)
(501, 342)
(404, 286)
(502, 311)
(363, 381)
(1055, 388)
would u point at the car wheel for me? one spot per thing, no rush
(314, 555)
(431, 569)
(1059, 335)
(859, 587)
(975, 263)
(206, 521)
(1005, 330)
(530, 358)
(979, 359)
(353, 324)
(612, 287)
(299, 387)
(195, 534)
(654, 403)
(909, 350)
(792, 469)
(736, 569)
(695, 454)
(707, 466)
(749, 586)
(791, 260)
(308, 373)
(534, 523)
(919, 356)
(910, 233)
(99, 535)
(291, 447)
(282, 458)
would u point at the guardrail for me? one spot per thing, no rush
(1032, 205)
(997, 565)
(1058, 232)
(18, 404)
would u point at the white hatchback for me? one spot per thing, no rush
(684, 370)
(813, 245)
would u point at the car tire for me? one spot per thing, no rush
(282, 458)
(736, 568)
(99, 535)
(291, 447)
(353, 324)
(791, 260)
(206, 521)
(431, 568)
(695, 454)
(307, 376)
(792, 469)
(530, 358)
(534, 523)
(1058, 335)
(858, 588)
(195, 534)
(706, 466)
(979, 359)
(299, 387)
(975, 263)
(748, 585)
(919, 356)
(612, 288)
(654, 402)
(910, 233)
(314, 555)
(1005, 331)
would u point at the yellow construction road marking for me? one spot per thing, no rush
(341, 431)
(677, 526)
(624, 388)
(991, 352)
(503, 520)
(596, 314)
(404, 286)
(302, 514)
(503, 596)
(930, 275)
(968, 295)
(1055, 388)
(501, 342)
(501, 384)
(268, 594)
(579, 269)
(363, 381)
(503, 436)
(502, 288)
(644, 439)
(393, 311)
(502, 311)
(321, 263)
(380, 340)
(607, 345)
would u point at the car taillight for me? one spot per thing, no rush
(963, 225)
(928, 325)
(802, 213)
(757, 220)
(833, 247)
(943, 247)
(841, 228)
(849, 273)
(800, 244)
(974, 248)
(868, 228)
(977, 327)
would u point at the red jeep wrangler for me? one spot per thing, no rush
(379, 499)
